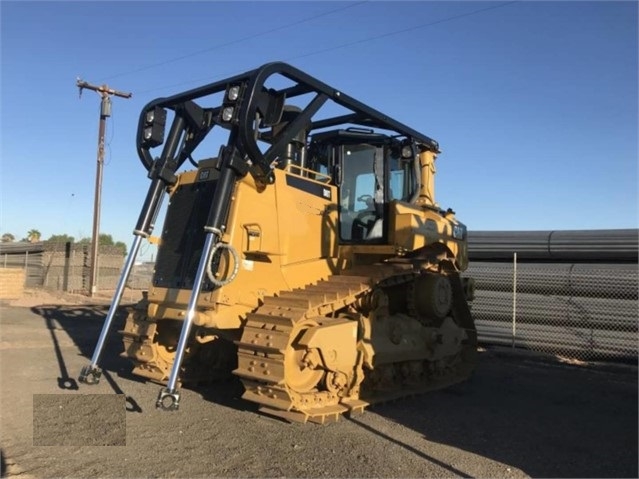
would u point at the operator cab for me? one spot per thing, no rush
(370, 172)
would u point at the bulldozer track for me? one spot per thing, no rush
(139, 346)
(265, 370)
(152, 356)
(267, 341)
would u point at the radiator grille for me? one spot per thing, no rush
(183, 236)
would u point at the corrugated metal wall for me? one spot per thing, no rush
(62, 266)
(29, 259)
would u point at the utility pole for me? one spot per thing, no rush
(105, 111)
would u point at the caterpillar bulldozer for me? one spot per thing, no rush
(308, 257)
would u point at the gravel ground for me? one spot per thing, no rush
(519, 416)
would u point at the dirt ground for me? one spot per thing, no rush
(34, 297)
(519, 416)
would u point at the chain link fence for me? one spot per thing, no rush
(141, 276)
(588, 311)
(583, 311)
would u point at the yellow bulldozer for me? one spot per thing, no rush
(308, 257)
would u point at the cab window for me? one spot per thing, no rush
(361, 193)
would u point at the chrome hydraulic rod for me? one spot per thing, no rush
(169, 396)
(91, 373)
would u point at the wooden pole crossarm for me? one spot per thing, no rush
(102, 90)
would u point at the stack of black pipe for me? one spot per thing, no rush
(576, 290)
(596, 246)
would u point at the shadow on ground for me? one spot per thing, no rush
(83, 325)
(547, 420)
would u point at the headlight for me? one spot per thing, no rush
(148, 133)
(233, 93)
(154, 123)
(227, 113)
(459, 231)
(407, 151)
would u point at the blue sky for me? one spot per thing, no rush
(533, 103)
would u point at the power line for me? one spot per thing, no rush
(349, 44)
(409, 29)
(233, 42)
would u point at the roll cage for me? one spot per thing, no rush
(248, 107)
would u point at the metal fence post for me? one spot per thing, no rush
(96, 277)
(514, 298)
(74, 269)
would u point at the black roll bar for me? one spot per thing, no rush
(252, 106)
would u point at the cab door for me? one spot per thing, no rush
(362, 198)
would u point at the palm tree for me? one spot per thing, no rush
(8, 238)
(33, 236)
